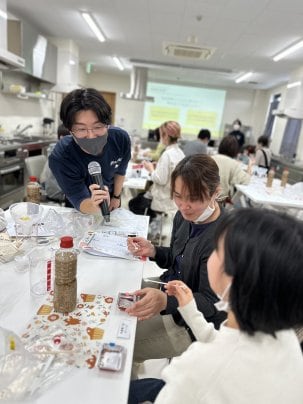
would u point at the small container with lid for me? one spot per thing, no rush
(65, 286)
(33, 190)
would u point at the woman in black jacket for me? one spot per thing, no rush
(195, 186)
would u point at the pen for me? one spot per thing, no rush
(136, 245)
(164, 283)
(152, 281)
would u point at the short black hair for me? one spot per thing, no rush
(84, 99)
(200, 175)
(238, 122)
(62, 131)
(229, 146)
(263, 253)
(263, 140)
(204, 134)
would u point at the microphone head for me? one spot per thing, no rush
(94, 168)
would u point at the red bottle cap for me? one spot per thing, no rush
(66, 242)
(32, 178)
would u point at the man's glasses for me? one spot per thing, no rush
(97, 130)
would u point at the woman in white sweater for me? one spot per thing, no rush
(230, 169)
(255, 357)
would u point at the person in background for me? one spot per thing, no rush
(48, 181)
(158, 198)
(199, 145)
(237, 133)
(154, 154)
(256, 269)
(86, 114)
(153, 135)
(230, 170)
(263, 153)
(195, 185)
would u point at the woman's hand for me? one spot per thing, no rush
(152, 301)
(98, 195)
(140, 247)
(148, 166)
(182, 292)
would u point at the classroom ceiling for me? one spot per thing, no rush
(246, 34)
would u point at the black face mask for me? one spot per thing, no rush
(93, 146)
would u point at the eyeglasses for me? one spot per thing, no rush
(97, 130)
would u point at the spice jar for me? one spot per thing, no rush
(65, 286)
(33, 190)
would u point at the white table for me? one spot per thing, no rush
(96, 275)
(276, 196)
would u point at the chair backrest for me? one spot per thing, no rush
(34, 165)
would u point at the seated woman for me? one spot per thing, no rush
(230, 169)
(263, 153)
(163, 334)
(255, 357)
(158, 198)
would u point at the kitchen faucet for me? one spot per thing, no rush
(19, 132)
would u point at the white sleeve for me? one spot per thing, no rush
(162, 172)
(202, 330)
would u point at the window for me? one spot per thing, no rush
(290, 139)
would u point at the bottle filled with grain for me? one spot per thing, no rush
(65, 285)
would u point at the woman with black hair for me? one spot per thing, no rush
(87, 116)
(263, 153)
(255, 357)
(194, 187)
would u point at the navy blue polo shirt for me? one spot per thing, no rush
(69, 163)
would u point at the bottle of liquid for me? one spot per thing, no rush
(65, 286)
(284, 177)
(270, 177)
(33, 190)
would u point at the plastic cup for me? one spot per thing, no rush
(26, 216)
(41, 270)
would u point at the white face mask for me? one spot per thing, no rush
(205, 215)
(236, 126)
(223, 305)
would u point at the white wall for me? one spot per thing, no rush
(248, 105)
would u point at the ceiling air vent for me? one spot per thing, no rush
(187, 51)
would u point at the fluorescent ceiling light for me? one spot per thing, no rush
(288, 51)
(118, 63)
(243, 77)
(294, 84)
(93, 26)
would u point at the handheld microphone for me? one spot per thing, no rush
(94, 170)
